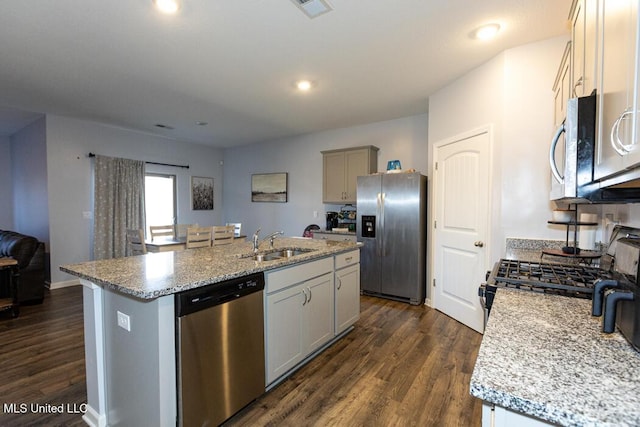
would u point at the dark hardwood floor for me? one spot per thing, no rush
(42, 362)
(401, 366)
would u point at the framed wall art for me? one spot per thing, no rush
(201, 193)
(269, 187)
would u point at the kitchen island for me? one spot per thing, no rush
(544, 360)
(130, 323)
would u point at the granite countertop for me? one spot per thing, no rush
(335, 232)
(156, 274)
(544, 355)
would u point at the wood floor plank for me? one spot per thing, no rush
(402, 365)
(42, 359)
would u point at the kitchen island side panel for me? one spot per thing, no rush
(140, 363)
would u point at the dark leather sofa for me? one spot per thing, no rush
(30, 254)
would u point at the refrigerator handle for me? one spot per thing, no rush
(380, 212)
(383, 249)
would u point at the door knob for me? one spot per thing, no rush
(478, 244)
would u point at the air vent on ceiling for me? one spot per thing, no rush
(313, 8)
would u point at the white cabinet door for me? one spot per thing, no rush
(300, 320)
(347, 297)
(285, 332)
(583, 47)
(318, 312)
(616, 103)
(497, 416)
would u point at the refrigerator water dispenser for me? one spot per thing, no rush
(368, 226)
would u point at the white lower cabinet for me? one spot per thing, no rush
(497, 416)
(306, 307)
(299, 315)
(347, 294)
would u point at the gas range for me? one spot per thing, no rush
(558, 279)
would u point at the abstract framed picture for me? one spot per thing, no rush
(201, 193)
(269, 187)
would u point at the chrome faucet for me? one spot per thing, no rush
(271, 237)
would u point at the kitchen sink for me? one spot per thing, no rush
(275, 254)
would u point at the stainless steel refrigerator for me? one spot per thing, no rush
(392, 224)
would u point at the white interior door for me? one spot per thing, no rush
(461, 225)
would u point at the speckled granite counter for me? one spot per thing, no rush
(155, 274)
(545, 356)
(347, 233)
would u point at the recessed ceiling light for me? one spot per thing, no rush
(486, 32)
(167, 6)
(304, 85)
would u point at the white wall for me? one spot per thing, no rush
(70, 179)
(404, 139)
(6, 190)
(513, 93)
(29, 177)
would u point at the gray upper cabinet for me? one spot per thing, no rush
(341, 169)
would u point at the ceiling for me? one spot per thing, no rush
(233, 63)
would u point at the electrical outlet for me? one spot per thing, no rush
(315, 214)
(124, 321)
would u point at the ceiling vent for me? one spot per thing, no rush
(313, 8)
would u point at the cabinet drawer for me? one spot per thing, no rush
(288, 276)
(348, 258)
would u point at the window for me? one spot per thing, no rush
(159, 199)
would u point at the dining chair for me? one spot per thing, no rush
(181, 229)
(236, 228)
(198, 237)
(162, 231)
(223, 234)
(135, 242)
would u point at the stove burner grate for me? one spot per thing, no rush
(561, 279)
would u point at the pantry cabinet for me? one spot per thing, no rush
(341, 169)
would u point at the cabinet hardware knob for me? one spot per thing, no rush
(478, 244)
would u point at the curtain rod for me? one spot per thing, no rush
(156, 163)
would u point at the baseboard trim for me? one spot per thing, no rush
(65, 284)
(93, 418)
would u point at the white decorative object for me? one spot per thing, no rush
(587, 233)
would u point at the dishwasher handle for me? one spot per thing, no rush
(207, 296)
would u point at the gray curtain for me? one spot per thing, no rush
(118, 204)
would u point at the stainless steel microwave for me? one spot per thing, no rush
(571, 158)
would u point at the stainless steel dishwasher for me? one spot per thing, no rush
(220, 349)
